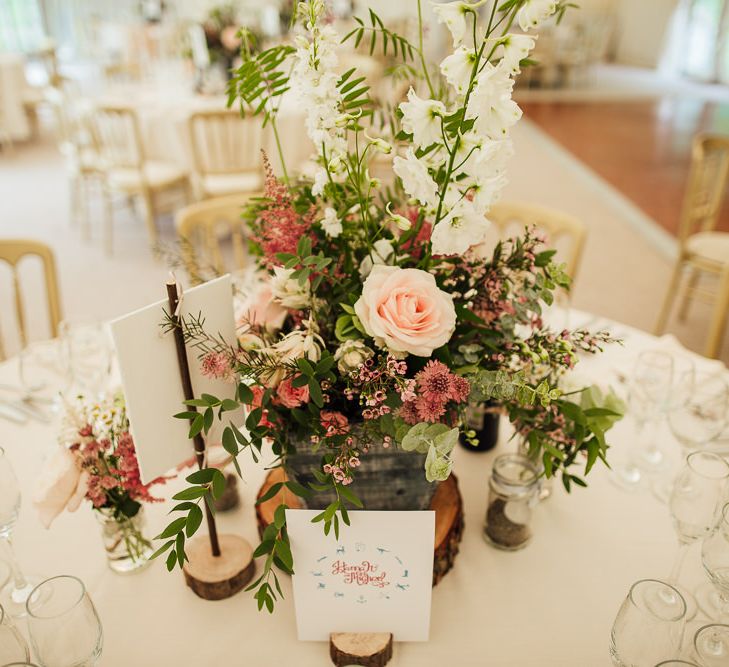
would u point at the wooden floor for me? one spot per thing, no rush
(642, 148)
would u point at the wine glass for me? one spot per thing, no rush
(12, 645)
(64, 628)
(649, 625)
(88, 355)
(711, 645)
(714, 598)
(649, 390)
(696, 500)
(702, 416)
(17, 591)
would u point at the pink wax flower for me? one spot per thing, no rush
(290, 396)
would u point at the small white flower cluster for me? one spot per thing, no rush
(315, 79)
(476, 167)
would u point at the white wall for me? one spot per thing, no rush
(643, 30)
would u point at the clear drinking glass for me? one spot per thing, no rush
(711, 645)
(696, 501)
(64, 628)
(714, 598)
(12, 645)
(15, 594)
(649, 392)
(87, 357)
(649, 625)
(677, 663)
(702, 415)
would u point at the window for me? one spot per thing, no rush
(707, 40)
(21, 25)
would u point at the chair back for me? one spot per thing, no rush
(707, 184)
(559, 228)
(12, 251)
(118, 137)
(203, 230)
(224, 143)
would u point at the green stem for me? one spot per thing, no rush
(280, 150)
(423, 62)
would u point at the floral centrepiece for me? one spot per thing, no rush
(96, 461)
(386, 312)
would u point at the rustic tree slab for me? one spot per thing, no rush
(218, 577)
(447, 503)
(366, 648)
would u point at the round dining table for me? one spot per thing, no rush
(551, 604)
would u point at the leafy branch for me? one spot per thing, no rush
(501, 385)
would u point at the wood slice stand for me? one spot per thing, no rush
(447, 503)
(366, 648)
(218, 577)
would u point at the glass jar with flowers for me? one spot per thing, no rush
(95, 461)
(382, 312)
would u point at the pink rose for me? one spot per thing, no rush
(404, 310)
(264, 311)
(61, 485)
(334, 422)
(290, 396)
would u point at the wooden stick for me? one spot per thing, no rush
(198, 440)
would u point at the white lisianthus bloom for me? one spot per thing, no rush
(491, 105)
(534, 12)
(331, 224)
(382, 253)
(513, 49)
(458, 67)
(287, 290)
(351, 355)
(421, 118)
(453, 15)
(415, 178)
(462, 228)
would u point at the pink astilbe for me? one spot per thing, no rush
(437, 390)
(280, 225)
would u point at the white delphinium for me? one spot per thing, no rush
(416, 180)
(535, 12)
(288, 291)
(490, 104)
(513, 49)
(454, 15)
(457, 68)
(382, 253)
(315, 79)
(463, 227)
(422, 119)
(331, 224)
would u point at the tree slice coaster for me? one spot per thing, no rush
(367, 648)
(218, 577)
(446, 502)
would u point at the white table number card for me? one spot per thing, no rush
(376, 578)
(151, 377)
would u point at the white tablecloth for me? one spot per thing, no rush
(164, 113)
(13, 85)
(550, 605)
